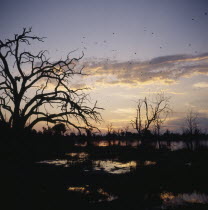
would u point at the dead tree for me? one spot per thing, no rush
(109, 128)
(191, 129)
(191, 123)
(151, 113)
(34, 89)
(137, 123)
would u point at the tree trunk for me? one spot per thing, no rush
(18, 125)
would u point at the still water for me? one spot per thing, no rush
(106, 166)
(98, 194)
(170, 200)
(114, 167)
(172, 145)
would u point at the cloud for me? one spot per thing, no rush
(165, 91)
(177, 123)
(201, 85)
(124, 111)
(203, 111)
(161, 70)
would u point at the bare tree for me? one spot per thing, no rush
(191, 129)
(109, 128)
(191, 123)
(34, 89)
(137, 123)
(151, 112)
(159, 121)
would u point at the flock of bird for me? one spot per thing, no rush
(145, 30)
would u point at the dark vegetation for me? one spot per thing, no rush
(29, 184)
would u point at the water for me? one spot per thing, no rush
(114, 167)
(78, 155)
(71, 159)
(105, 143)
(170, 200)
(172, 145)
(94, 195)
(98, 193)
(105, 166)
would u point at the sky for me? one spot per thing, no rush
(132, 49)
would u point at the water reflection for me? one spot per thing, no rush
(79, 189)
(146, 163)
(106, 143)
(172, 145)
(79, 155)
(107, 166)
(98, 195)
(80, 144)
(75, 157)
(170, 199)
(56, 162)
(114, 167)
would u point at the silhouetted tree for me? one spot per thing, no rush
(48, 131)
(4, 128)
(109, 128)
(33, 89)
(151, 112)
(191, 123)
(191, 129)
(59, 129)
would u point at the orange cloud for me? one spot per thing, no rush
(161, 70)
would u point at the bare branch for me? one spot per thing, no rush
(43, 92)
